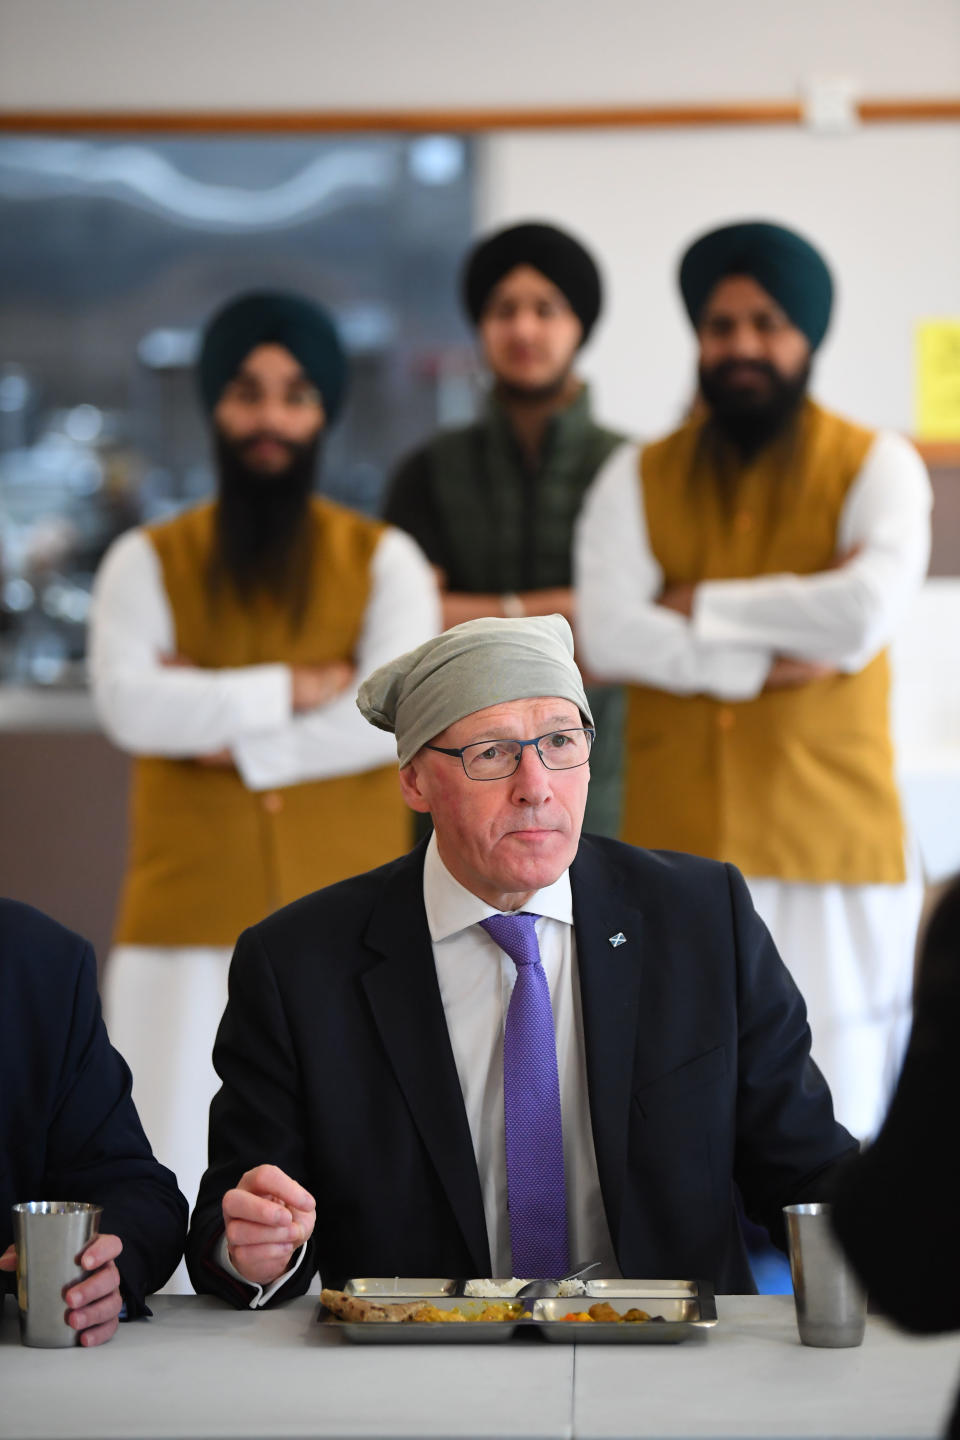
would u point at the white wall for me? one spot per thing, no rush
(884, 203)
(370, 53)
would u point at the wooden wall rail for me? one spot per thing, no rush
(787, 112)
(938, 454)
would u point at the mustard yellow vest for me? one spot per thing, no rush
(208, 856)
(796, 784)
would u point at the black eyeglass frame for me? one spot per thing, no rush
(587, 730)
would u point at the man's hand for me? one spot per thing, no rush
(787, 674)
(315, 685)
(678, 598)
(843, 557)
(217, 760)
(266, 1218)
(94, 1304)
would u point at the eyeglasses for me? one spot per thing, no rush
(497, 759)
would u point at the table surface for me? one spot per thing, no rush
(752, 1377)
(33, 708)
(199, 1369)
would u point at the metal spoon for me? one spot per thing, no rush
(541, 1289)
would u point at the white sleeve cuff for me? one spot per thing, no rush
(263, 1293)
(720, 610)
(330, 741)
(733, 672)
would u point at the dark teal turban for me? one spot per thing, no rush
(786, 265)
(272, 318)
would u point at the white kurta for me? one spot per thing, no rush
(163, 1004)
(850, 948)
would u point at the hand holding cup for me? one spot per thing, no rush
(68, 1284)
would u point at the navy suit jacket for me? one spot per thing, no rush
(68, 1126)
(337, 1066)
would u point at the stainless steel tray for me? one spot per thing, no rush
(413, 1332)
(680, 1310)
(400, 1287)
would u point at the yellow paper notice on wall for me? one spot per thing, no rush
(938, 379)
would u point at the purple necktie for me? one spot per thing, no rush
(536, 1192)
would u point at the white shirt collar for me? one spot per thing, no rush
(451, 907)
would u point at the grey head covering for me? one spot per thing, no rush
(467, 668)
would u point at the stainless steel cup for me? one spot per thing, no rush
(50, 1236)
(831, 1305)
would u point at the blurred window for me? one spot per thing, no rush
(113, 253)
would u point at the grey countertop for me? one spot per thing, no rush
(36, 709)
(199, 1369)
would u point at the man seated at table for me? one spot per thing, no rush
(69, 1129)
(514, 1048)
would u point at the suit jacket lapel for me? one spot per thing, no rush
(405, 1000)
(610, 980)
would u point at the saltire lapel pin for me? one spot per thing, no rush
(618, 939)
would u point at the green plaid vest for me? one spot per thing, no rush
(507, 527)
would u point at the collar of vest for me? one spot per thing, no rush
(567, 428)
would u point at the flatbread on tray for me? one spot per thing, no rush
(355, 1308)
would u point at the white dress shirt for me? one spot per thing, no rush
(150, 708)
(476, 981)
(839, 617)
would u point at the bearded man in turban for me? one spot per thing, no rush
(744, 575)
(517, 1046)
(493, 504)
(225, 650)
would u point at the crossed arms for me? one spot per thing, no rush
(733, 638)
(279, 725)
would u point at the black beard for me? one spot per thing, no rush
(748, 419)
(262, 538)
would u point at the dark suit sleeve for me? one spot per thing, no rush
(256, 1117)
(789, 1145)
(96, 1149)
(895, 1205)
(410, 505)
